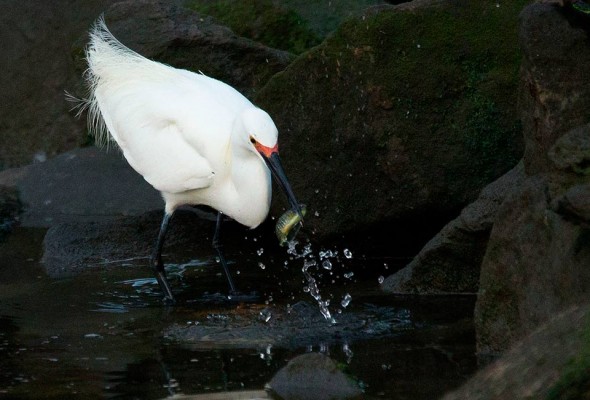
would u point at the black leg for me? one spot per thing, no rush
(218, 247)
(156, 260)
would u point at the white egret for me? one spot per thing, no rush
(195, 139)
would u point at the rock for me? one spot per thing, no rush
(36, 65)
(10, 208)
(178, 36)
(575, 203)
(294, 327)
(313, 376)
(72, 247)
(572, 151)
(43, 57)
(450, 262)
(555, 87)
(551, 363)
(537, 262)
(382, 108)
(81, 185)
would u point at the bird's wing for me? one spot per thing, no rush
(143, 119)
(169, 123)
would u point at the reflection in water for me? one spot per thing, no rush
(105, 333)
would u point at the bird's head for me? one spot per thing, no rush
(263, 139)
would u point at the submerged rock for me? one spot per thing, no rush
(299, 326)
(313, 376)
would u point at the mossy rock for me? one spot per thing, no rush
(262, 21)
(405, 110)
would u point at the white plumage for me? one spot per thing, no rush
(195, 139)
(185, 133)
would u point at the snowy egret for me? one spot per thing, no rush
(195, 139)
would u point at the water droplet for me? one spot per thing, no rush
(348, 352)
(349, 275)
(261, 265)
(380, 279)
(327, 254)
(265, 315)
(260, 251)
(92, 336)
(347, 253)
(327, 265)
(346, 300)
(317, 214)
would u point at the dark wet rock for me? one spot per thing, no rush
(86, 184)
(553, 362)
(555, 95)
(298, 326)
(575, 203)
(72, 247)
(173, 34)
(572, 151)
(10, 208)
(36, 65)
(396, 114)
(537, 262)
(313, 376)
(277, 25)
(450, 262)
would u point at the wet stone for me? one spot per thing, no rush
(291, 327)
(313, 376)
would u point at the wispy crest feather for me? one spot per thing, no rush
(111, 64)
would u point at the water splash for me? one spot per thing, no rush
(346, 300)
(314, 291)
(347, 253)
(348, 352)
(326, 259)
(265, 315)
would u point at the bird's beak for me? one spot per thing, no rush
(271, 157)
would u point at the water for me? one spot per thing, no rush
(105, 333)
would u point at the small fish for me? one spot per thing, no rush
(288, 224)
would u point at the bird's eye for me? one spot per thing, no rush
(252, 140)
